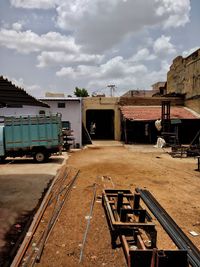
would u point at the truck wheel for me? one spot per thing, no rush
(40, 157)
(2, 159)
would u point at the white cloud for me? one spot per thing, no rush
(116, 70)
(58, 57)
(28, 41)
(65, 72)
(112, 21)
(134, 81)
(18, 82)
(177, 12)
(142, 55)
(99, 25)
(17, 26)
(119, 68)
(96, 28)
(30, 4)
(159, 75)
(190, 51)
(162, 46)
(34, 89)
(71, 12)
(122, 72)
(78, 72)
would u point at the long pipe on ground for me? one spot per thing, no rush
(88, 223)
(170, 226)
(54, 218)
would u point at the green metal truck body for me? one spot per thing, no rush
(36, 136)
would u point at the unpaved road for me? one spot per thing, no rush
(173, 181)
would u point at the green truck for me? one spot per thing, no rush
(33, 136)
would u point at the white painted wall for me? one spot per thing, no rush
(24, 111)
(72, 113)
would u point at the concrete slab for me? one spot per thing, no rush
(106, 143)
(22, 184)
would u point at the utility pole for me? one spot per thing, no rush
(112, 89)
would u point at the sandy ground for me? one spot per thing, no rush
(173, 181)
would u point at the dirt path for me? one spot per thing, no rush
(173, 182)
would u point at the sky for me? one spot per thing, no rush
(56, 45)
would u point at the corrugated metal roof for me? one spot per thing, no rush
(10, 95)
(144, 113)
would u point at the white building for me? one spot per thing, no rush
(70, 108)
(15, 101)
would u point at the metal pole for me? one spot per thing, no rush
(198, 163)
(88, 223)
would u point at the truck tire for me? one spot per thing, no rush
(40, 157)
(2, 159)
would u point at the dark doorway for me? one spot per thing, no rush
(141, 132)
(100, 124)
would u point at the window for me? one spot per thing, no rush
(66, 125)
(61, 105)
(14, 106)
(42, 112)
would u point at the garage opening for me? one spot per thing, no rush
(139, 132)
(100, 124)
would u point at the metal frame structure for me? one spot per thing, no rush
(132, 224)
(165, 115)
(125, 214)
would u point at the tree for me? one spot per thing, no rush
(81, 92)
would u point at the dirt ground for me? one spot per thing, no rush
(173, 181)
(22, 185)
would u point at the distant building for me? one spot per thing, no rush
(129, 118)
(184, 75)
(50, 94)
(105, 114)
(139, 93)
(159, 88)
(98, 95)
(184, 78)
